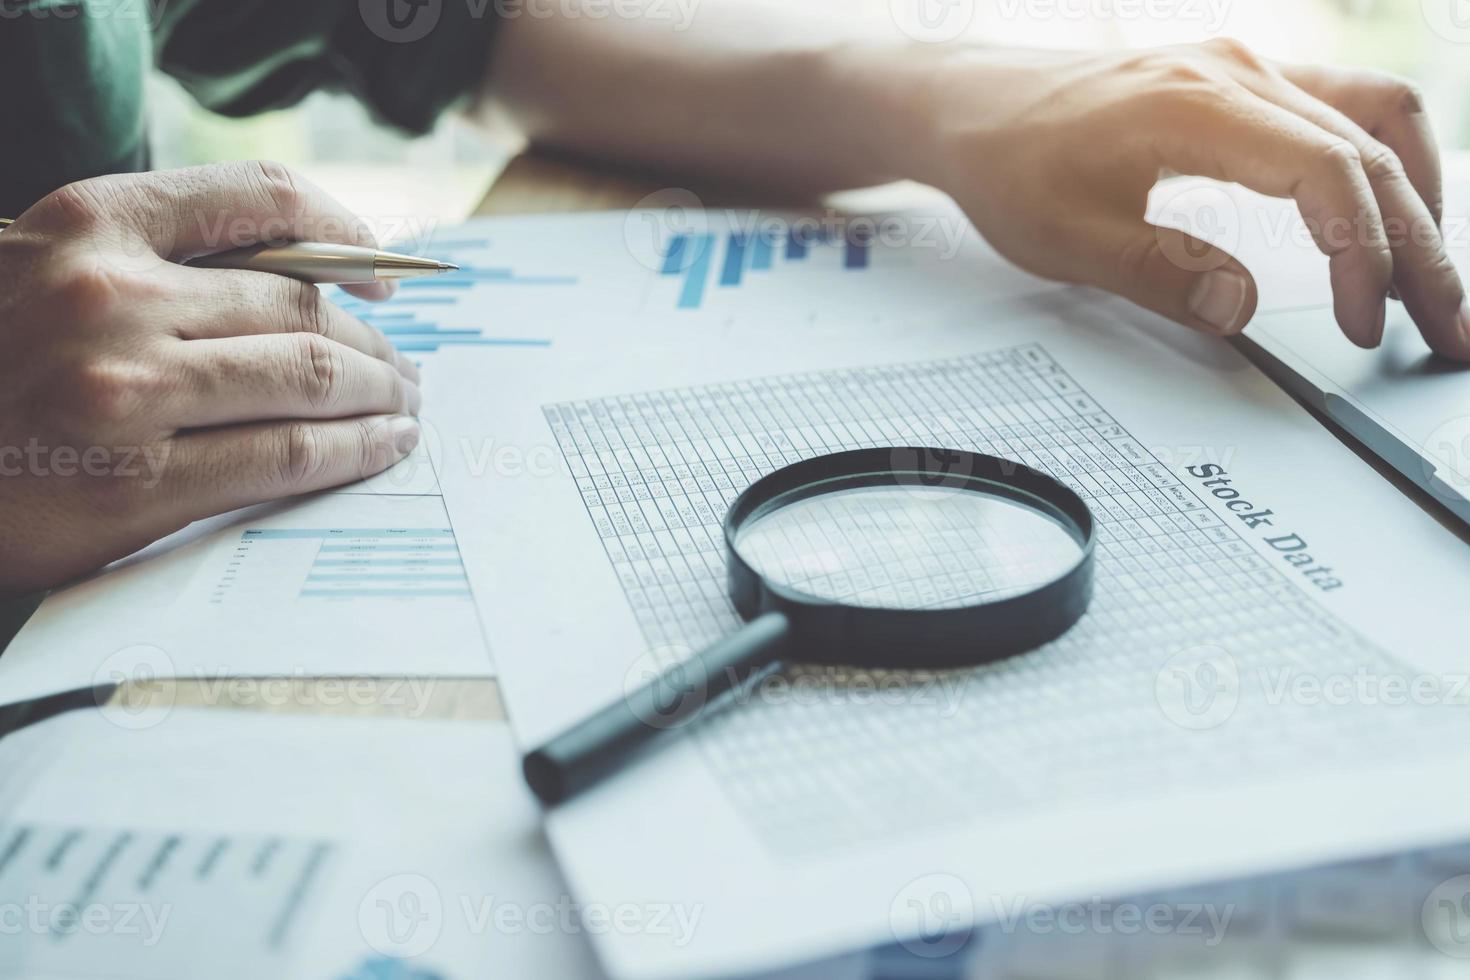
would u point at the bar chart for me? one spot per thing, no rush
(345, 563)
(693, 257)
(417, 319)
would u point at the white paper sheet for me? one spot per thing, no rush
(229, 844)
(1170, 739)
(359, 583)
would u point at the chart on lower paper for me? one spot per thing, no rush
(706, 262)
(428, 314)
(343, 563)
(146, 902)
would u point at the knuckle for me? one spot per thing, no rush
(301, 455)
(318, 369)
(1404, 96)
(1380, 163)
(370, 456)
(280, 185)
(81, 206)
(1176, 70)
(1235, 52)
(1342, 157)
(108, 393)
(307, 312)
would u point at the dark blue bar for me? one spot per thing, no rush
(795, 245)
(857, 254)
(734, 260)
(674, 260)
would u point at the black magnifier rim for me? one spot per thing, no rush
(828, 632)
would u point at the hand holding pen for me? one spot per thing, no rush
(156, 390)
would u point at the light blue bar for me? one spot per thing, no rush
(296, 533)
(761, 257)
(335, 548)
(384, 593)
(389, 562)
(694, 282)
(427, 330)
(373, 577)
(415, 345)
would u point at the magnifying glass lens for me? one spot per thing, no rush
(907, 547)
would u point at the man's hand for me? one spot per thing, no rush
(137, 395)
(1053, 156)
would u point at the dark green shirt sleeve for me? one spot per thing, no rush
(73, 71)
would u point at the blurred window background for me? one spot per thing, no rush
(443, 175)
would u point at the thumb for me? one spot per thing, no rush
(1174, 274)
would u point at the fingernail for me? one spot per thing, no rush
(1465, 320)
(1218, 298)
(413, 398)
(408, 368)
(1377, 336)
(403, 432)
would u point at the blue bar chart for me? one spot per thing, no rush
(356, 563)
(414, 320)
(692, 257)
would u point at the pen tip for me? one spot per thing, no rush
(448, 267)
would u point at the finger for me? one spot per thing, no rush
(294, 376)
(1275, 152)
(1426, 278)
(216, 303)
(224, 469)
(1390, 110)
(1165, 270)
(198, 210)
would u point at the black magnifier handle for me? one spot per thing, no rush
(586, 753)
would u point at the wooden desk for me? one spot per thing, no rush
(533, 184)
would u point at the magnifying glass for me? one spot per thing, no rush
(901, 559)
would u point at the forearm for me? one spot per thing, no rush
(747, 90)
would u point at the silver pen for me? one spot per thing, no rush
(317, 262)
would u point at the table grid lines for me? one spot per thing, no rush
(657, 470)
